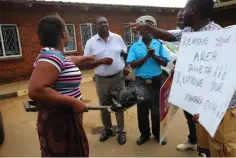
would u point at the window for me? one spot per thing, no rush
(130, 36)
(72, 46)
(87, 31)
(9, 41)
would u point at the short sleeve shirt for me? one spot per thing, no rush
(69, 79)
(150, 68)
(97, 47)
(209, 27)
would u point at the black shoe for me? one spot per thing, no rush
(121, 139)
(164, 141)
(142, 139)
(106, 135)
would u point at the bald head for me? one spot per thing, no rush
(197, 10)
(203, 7)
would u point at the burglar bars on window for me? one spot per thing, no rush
(129, 35)
(71, 47)
(87, 31)
(9, 41)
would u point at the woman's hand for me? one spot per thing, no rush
(79, 106)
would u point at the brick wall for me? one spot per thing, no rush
(27, 18)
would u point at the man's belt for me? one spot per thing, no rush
(149, 80)
(111, 76)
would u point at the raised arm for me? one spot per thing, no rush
(81, 61)
(158, 33)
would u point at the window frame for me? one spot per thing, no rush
(2, 42)
(132, 34)
(75, 41)
(91, 31)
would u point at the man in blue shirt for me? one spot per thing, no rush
(146, 56)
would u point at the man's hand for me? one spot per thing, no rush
(174, 62)
(107, 61)
(139, 26)
(125, 71)
(150, 52)
(195, 117)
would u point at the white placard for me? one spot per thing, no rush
(205, 75)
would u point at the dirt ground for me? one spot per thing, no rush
(21, 137)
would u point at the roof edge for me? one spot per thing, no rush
(225, 4)
(86, 4)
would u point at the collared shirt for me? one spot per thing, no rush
(150, 68)
(97, 47)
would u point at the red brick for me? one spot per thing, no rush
(28, 18)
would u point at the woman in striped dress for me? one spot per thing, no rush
(55, 84)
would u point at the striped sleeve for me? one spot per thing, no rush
(53, 59)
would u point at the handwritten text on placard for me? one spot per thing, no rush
(204, 80)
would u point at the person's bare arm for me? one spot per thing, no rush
(159, 60)
(127, 65)
(138, 63)
(95, 63)
(125, 55)
(158, 33)
(161, 34)
(43, 77)
(81, 61)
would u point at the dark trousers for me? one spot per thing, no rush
(192, 137)
(150, 103)
(127, 82)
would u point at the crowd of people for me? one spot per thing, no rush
(59, 125)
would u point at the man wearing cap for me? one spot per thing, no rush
(146, 56)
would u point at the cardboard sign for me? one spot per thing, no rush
(167, 111)
(205, 79)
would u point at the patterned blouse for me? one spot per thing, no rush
(209, 27)
(68, 82)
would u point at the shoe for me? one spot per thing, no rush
(164, 141)
(106, 135)
(202, 155)
(121, 139)
(186, 146)
(142, 139)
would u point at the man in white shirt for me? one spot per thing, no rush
(108, 49)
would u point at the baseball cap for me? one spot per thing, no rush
(147, 18)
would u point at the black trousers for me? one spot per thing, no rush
(149, 104)
(192, 137)
(127, 82)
